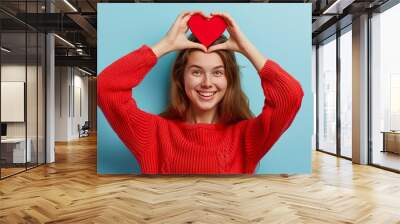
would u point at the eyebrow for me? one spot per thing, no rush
(197, 66)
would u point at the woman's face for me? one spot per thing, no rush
(205, 80)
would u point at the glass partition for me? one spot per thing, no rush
(13, 108)
(327, 95)
(22, 88)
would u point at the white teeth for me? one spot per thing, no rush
(206, 94)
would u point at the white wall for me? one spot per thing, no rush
(61, 103)
(15, 72)
(33, 127)
(71, 93)
(81, 84)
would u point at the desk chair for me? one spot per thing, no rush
(84, 130)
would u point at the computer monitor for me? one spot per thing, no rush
(3, 129)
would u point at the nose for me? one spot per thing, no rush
(206, 82)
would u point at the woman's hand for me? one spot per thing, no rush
(238, 42)
(176, 38)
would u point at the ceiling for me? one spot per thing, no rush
(76, 22)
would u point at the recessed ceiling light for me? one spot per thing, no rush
(64, 40)
(5, 50)
(70, 5)
(84, 71)
(338, 6)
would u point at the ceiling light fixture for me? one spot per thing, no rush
(70, 5)
(5, 50)
(331, 7)
(64, 40)
(84, 71)
(337, 7)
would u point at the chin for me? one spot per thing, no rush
(205, 107)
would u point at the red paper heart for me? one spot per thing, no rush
(206, 30)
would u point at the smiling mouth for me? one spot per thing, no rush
(206, 95)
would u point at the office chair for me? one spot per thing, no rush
(84, 130)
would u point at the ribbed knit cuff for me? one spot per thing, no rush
(268, 71)
(148, 53)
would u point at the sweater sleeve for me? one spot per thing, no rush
(133, 126)
(283, 97)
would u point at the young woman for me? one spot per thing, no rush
(208, 127)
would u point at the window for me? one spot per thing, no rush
(385, 89)
(346, 75)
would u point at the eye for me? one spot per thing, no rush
(196, 72)
(218, 73)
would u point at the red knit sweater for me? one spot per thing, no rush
(164, 146)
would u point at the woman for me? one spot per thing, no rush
(208, 127)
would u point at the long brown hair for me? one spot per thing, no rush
(233, 107)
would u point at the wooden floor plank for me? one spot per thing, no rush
(70, 191)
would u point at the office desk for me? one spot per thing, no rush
(391, 141)
(13, 150)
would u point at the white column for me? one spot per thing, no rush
(50, 91)
(360, 90)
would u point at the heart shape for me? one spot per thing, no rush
(206, 30)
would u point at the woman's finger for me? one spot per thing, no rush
(222, 46)
(229, 20)
(183, 14)
(180, 16)
(187, 17)
(179, 19)
(198, 46)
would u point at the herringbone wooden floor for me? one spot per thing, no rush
(70, 191)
